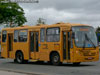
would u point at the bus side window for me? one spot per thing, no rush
(53, 35)
(4, 36)
(42, 35)
(23, 36)
(16, 35)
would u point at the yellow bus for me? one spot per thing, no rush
(57, 43)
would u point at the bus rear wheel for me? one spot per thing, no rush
(19, 57)
(55, 59)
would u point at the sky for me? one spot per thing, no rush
(71, 11)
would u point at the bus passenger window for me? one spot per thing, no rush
(16, 35)
(53, 35)
(4, 36)
(23, 36)
(42, 35)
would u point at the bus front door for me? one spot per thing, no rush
(66, 46)
(34, 45)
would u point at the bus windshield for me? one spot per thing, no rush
(85, 36)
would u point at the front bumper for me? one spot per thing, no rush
(86, 59)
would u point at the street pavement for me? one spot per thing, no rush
(10, 73)
(33, 68)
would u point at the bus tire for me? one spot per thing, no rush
(19, 57)
(76, 64)
(55, 59)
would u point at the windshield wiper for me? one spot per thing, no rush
(90, 40)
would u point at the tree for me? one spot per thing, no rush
(11, 14)
(98, 29)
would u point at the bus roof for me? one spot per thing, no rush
(61, 24)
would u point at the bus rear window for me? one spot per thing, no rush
(4, 36)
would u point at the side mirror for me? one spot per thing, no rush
(73, 35)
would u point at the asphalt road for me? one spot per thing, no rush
(32, 68)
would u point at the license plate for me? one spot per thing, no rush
(90, 58)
